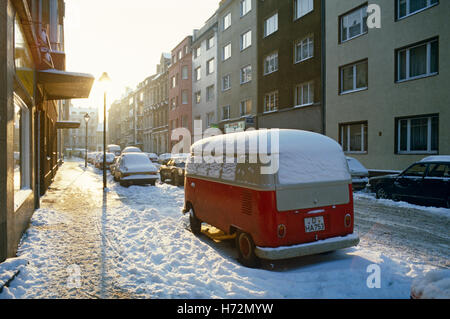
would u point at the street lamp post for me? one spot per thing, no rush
(104, 79)
(86, 119)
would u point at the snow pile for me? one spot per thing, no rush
(9, 269)
(429, 209)
(435, 284)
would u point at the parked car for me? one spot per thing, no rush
(173, 170)
(303, 205)
(164, 158)
(131, 149)
(115, 149)
(153, 157)
(360, 174)
(109, 160)
(424, 182)
(135, 168)
(112, 167)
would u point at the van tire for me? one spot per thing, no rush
(195, 223)
(246, 250)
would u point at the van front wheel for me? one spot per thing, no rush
(246, 250)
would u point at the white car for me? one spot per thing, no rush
(135, 168)
(131, 149)
(360, 174)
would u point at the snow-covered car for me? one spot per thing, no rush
(174, 171)
(135, 168)
(109, 160)
(131, 149)
(435, 284)
(153, 157)
(112, 167)
(424, 182)
(91, 157)
(164, 158)
(360, 174)
(115, 149)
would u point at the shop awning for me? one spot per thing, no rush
(67, 124)
(63, 85)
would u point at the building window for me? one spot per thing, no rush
(185, 73)
(354, 24)
(226, 21)
(184, 97)
(210, 43)
(180, 55)
(225, 113)
(197, 52)
(21, 140)
(353, 137)
(304, 94)
(209, 119)
(184, 121)
(246, 40)
(198, 73)
(174, 82)
(198, 97)
(246, 6)
(418, 61)
(226, 52)
(271, 63)
(226, 82)
(210, 93)
(210, 67)
(271, 102)
(246, 107)
(302, 7)
(354, 77)
(271, 25)
(246, 74)
(418, 135)
(304, 49)
(408, 7)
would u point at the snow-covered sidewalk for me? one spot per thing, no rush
(135, 243)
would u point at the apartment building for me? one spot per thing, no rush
(204, 66)
(77, 137)
(387, 101)
(156, 110)
(289, 73)
(180, 88)
(33, 82)
(237, 65)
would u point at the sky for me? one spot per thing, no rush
(126, 38)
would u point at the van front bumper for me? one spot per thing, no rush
(317, 247)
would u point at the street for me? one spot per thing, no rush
(134, 243)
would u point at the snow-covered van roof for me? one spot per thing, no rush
(297, 157)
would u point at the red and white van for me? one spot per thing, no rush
(303, 207)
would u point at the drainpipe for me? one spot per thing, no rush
(323, 66)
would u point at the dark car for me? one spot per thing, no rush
(173, 170)
(424, 182)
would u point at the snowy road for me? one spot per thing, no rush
(134, 243)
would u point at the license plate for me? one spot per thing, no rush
(314, 224)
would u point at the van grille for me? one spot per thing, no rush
(246, 199)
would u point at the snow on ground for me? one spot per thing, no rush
(141, 246)
(401, 204)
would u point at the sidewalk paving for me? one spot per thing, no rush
(65, 246)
